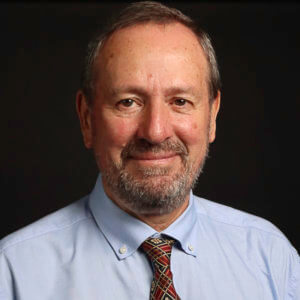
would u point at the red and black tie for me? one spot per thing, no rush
(159, 253)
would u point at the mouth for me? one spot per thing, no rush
(153, 158)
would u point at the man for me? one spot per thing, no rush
(148, 105)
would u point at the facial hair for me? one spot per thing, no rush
(153, 190)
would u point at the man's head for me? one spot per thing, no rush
(141, 13)
(151, 109)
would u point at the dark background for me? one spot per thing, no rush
(253, 163)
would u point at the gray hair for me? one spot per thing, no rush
(145, 12)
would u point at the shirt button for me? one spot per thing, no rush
(191, 248)
(123, 250)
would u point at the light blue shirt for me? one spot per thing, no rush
(89, 250)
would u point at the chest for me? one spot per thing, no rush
(99, 276)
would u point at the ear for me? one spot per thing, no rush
(85, 116)
(214, 109)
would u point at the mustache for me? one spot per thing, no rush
(135, 147)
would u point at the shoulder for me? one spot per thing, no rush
(53, 223)
(247, 233)
(256, 239)
(232, 218)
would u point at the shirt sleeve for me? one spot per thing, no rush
(294, 284)
(6, 281)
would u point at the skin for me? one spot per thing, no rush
(151, 84)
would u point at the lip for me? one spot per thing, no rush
(153, 156)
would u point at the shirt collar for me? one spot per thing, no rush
(126, 233)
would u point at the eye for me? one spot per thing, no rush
(126, 102)
(180, 102)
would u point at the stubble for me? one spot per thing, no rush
(153, 190)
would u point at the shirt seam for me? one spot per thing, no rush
(247, 226)
(295, 276)
(43, 233)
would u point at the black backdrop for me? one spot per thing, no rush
(253, 163)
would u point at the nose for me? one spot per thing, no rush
(155, 123)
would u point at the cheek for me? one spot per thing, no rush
(193, 132)
(110, 137)
(113, 134)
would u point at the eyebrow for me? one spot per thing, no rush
(143, 92)
(129, 89)
(179, 90)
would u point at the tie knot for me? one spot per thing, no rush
(158, 250)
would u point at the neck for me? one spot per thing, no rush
(158, 222)
(161, 222)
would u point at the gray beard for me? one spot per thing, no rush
(146, 194)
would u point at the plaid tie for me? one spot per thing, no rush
(159, 252)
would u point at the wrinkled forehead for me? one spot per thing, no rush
(136, 41)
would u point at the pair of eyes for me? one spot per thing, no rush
(130, 102)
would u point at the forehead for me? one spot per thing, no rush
(154, 46)
(149, 31)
